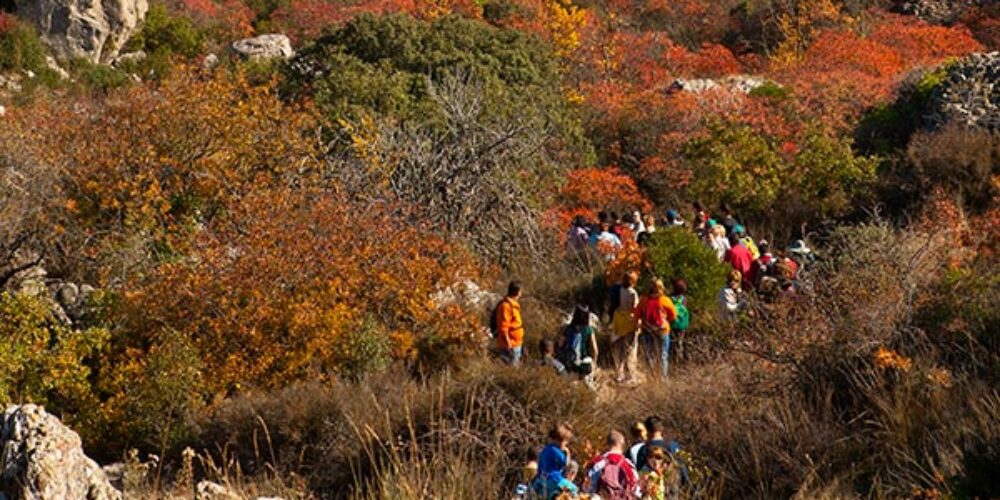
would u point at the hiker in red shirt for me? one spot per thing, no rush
(739, 257)
(610, 474)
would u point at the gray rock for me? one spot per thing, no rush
(970, 93)
(54, 66)
(91, 29)
(736, 83)
(42, 459)
(3, 110)
(210, 62)
(936, 11)
(271, 46)
(207, 490)
(466, 293)
(129, 57)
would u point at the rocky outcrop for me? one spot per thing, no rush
(466, 293)
(272, 46)
(42, 459)
(91, 29)
(970, 93)
(936, 11)
(736, 83)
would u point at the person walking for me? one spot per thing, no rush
(509, 326)
(739, 257)
(552, 461)
(611, 475)
(680, 325)
(731, 299)
(578, 345)
(660, 478)
(656, 313)
(625, 328)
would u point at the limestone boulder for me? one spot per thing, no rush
(270, 46)
(95, 30)
(41, 459)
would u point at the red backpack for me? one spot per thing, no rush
(617, 481)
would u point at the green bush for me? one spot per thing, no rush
(46, 362)
(674, 253)
(166, 34)
(21, 49)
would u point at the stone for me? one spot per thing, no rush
(207, 490)
(3, 110)
(51, 63)
(129, 57)
(210, 62)
(466, 293)
(936, 11)
(41, 458)
(94, 30)
(736, 83)
(970, 93)
(270, 46)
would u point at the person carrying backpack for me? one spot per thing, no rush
(679, 326)
(552, 461)
(625, 330)
(610, 475)
(657, 312)
(578, 344)
(507, 326)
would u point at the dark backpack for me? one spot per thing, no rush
(494, 322)
(614, 483)
(614, 296)
(574, 347)
(683, 319)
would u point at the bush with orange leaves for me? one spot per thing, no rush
(285, 285)
(590, 190)
(148, 165)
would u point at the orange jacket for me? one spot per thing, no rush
(510, 329)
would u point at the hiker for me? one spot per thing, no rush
(655, 428)
(548, 349)
(657, 311)
(606, 240)
(700, 219)
(528, 473)
(509, 327)
(731, 298)
(660, 479)
(550, 482)
(650, 224)
(578, 345)
(625, 328)
(786, 269)
(728, 219)
(674, 219)
(610, 475)
(678, 328)
(639, 436)
(717, 239)
(577, 237)
(801, 253)
(738, 256)
(747, 241)
(761, 265)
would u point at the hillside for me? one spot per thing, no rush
(252, 247)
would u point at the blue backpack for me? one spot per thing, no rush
(574, 347)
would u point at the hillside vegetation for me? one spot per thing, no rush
(276, 273)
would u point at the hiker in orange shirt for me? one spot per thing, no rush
(509, 327)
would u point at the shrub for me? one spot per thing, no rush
(49, 363)
(963, 160)
(674, 252)
(163, 33)
(20, 47)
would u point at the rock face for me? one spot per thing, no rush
(42, 459)
(970, 93)
(92, 29)
(936, 11)
(736, 83)
(273, 46)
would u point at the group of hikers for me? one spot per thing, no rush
(654, 320)
(658, 318)
(648, 467)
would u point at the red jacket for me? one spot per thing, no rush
(739, 257)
